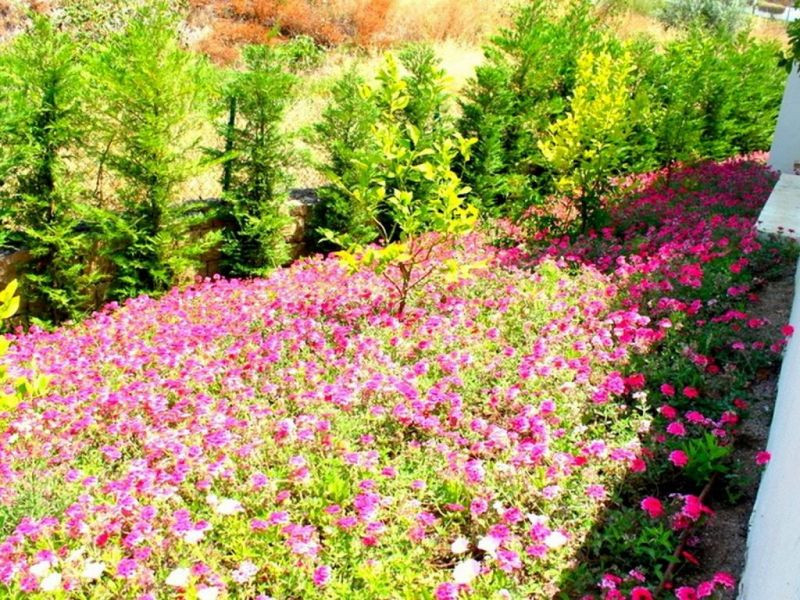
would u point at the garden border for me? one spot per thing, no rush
(773, 541)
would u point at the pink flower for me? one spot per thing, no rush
(446, 591)
(679, 458)
(685, 593)
(653, 507)
(724, 579)
(676, 428)
(322, 576)
(668, 389)
(691, 392)
(478, 506)
(763, 457)
(126, 568)
(641, 593)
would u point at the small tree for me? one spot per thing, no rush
(42, 121)
(406, 186)
(259, 153)
(151, 98)
(587, 146)
(378, 134)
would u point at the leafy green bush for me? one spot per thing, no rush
(421, 227)
(519, 91)
(42, 124)
(378, 139)
(588, 144)
(150, 96)
(712, 96)
(255, 177)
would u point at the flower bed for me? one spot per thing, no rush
(546, 427)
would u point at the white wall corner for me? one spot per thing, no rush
(785, 151)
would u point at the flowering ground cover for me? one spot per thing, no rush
(553, 425)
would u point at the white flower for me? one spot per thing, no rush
(465, 571)
(209, 593)
(40, 569)
(75, 555)
(193, 536)
(228, 506)
(555, 539)
(212, 499)
(489, 544)
(51, 583)
(460, 545)
(178, 578)
(93, 570)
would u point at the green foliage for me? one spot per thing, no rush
(443, 211)
(378, 140)
(520, 90)
(344, 134)
(705, 94)
(256, 179)
(150, 96)
(712, 96)
(706, 457)
(793, 31)
(723, 16)
(42, 123)
(587, 145)
(402, 184)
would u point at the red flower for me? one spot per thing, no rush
(653, 507)
(691, 392)
(763, 457)
(640, 593)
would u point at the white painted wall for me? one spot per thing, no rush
(785, 151)
(772, 567)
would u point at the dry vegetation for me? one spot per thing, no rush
(365, 23)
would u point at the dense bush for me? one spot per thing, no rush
(151, 94)
(255, 177)
(711, 97)
(522, 87)
(705, 94)
(380, 141)
(588, 145)
(42, 126)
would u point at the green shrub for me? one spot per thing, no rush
(255, 178)
(151, 95)
(42, 126)
(344, 133)
(520, 90)
(588, 145)
(712, 96)
(377, 138)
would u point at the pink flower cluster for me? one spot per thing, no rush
(291, 436)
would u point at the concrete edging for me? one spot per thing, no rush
(772, 559)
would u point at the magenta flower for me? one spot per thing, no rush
(322, 576)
